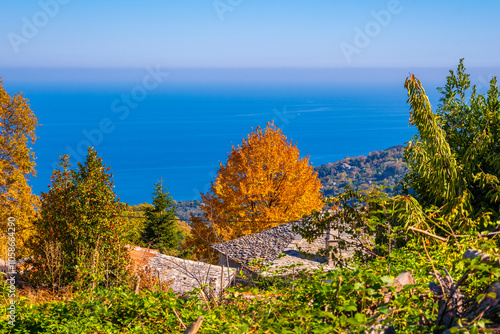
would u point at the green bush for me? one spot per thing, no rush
(79, 236)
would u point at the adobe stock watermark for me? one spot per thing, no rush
(372, 29)
(206, 188)
(221, 7)
(484, 83)
(280, 118)
(11, 270)
(121, 107)
(31, 26)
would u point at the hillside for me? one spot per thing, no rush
(383, 167)
(186, 208)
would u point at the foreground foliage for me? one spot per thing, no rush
(451, 192)
(335, 302)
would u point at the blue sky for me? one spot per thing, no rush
(248, 33)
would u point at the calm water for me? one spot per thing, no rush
(181, 132)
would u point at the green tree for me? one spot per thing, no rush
(451, 187)
(160, 230)
(454, 159)
(133, 216)
(79, 236)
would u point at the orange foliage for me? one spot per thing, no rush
(199, 241)
(17, 164)
(263, 184)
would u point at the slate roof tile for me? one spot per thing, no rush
(265, 245)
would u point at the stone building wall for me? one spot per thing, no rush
(185, 275)
(239, 268)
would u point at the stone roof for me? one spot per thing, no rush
(185, 275)
(182, 275)
(301, 255)
(264, 245)
(280, 247)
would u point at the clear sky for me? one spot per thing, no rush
(249, 33)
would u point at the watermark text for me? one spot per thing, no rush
(11, 270)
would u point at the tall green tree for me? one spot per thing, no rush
(160, 230)
(79, 236)
(452, 185)
(454, 160)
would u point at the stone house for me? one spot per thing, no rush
(183, 275)
(280, 248)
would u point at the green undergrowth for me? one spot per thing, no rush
(348, 300)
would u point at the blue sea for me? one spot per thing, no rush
(181, 131)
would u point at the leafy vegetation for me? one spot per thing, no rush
(454, 160)
(333, 302)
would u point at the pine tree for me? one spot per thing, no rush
(160, 230)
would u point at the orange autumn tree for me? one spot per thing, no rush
(198, 243)
(17, 165)
(264, 183)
